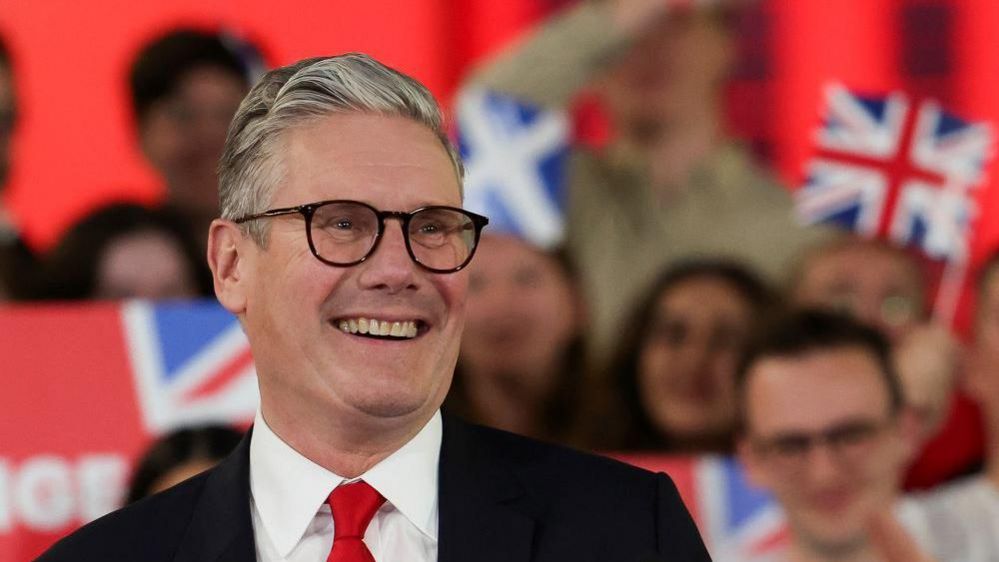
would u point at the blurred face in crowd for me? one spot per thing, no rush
(820, 434)
(146, 264)
(671, 73)
(7, 114)
(876, 283)
(687, 363)
(522, 315)
(182, 135)
(302, 315)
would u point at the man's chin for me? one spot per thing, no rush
(832, 537)
(388, 409)
(388, 404)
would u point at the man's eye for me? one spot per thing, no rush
(851, 434)
(791, 445)
(336, 223)
(431, 228)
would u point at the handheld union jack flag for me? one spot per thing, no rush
(191, 362)
(514, 154)
(897, 169)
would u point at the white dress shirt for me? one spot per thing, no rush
(292, 523)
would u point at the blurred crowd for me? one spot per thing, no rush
(686, 313)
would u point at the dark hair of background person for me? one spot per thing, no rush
(19, 267)
(562, 412)
(72, 265)
(175, 449)
(162, 64)
(4, 52)
(7, 65)
(805, 331)
(630, 426)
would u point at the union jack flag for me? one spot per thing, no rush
(514, 154)
(897, 169)
(738, 522)
(191, 362)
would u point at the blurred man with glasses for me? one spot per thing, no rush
(824, 430)
(342, 250)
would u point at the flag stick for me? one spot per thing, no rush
(949, 293)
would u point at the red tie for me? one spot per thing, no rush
(353, 507)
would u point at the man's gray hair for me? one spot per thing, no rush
(311, 88)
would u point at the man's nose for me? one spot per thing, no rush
(822, 465)
(390, 267)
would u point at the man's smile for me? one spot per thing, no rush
(385, 329)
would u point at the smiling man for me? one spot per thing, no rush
(824, 429)
(341, 248)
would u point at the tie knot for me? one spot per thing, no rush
(353, 505)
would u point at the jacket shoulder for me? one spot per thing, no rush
(565, 491)
(554, 466)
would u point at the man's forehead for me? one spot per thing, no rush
(844, 259)
(815, 389)
(329, 152)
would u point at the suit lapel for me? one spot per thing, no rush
(221, 529)
(485, 514)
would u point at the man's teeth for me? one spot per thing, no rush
(379, 327)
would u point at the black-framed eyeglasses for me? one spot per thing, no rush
(848, 441)
(344, 233)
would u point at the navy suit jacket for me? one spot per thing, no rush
(502, 498)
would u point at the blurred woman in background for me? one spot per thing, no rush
(521, 362)
(672, 383)
(126, 250)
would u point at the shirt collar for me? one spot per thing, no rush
(288, 489)
(408, 477)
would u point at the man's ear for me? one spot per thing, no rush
(226, 245)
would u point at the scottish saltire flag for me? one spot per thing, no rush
(514, 157)
(191, 363)
(897, 169)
